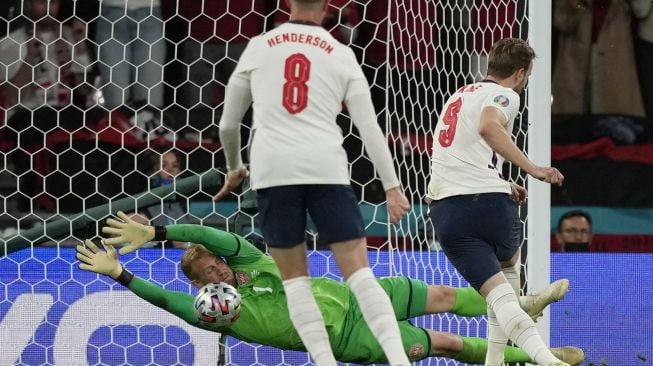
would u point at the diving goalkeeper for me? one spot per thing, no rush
(264, 315)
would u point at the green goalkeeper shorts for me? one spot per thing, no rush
(357, 344)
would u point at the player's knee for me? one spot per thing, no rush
(350, 256)
(442, 297)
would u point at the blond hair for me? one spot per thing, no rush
(193, 253)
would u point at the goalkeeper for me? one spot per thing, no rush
(264, 315)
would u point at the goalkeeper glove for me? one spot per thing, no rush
(128, 231)
(95, 260)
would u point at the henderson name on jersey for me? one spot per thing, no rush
(299, 76)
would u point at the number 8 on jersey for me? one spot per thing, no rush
(295, 91)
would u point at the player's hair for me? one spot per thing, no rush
(574, 213)
(193, 253)
(509, 55)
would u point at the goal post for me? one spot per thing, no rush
(538, 231)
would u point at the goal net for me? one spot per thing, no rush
(116, 108)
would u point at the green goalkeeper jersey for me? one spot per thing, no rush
(264, 314)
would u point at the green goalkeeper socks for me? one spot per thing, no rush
(469, 303)
(474, 350)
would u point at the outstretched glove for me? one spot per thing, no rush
(128, 231)
(99, 261)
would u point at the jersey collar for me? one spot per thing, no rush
(489, 81)
(304, 22)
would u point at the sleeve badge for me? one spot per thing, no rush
(502, 100)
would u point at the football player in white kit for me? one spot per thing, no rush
(474, 209)
(297, 77)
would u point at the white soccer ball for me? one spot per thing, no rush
(217, 305)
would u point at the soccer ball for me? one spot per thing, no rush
(217, 305)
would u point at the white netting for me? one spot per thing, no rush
(95, 99)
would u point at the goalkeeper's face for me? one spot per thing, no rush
(211, 269)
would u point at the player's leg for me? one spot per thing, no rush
(374, 303)
(283, 222)
(497, 337)
(411, 298)
(463, 301)
(506, 319)
(420, 343)
(460, 223)
(514, 322)
(509, 237)
(417, 298)
(334, 209)
(472, 350)
(504, 312)
(466, 301)
(512, 269)
(408, 298)
(468, 349)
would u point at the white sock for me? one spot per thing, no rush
(517, 324)
(513, 275)
(379, 314)
(496, 340)
(307, 319)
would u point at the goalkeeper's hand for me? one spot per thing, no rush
(99, 261)
(127, 231)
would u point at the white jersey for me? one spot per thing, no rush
(462, 162)
(299, 76)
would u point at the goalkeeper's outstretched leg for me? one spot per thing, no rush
(412, 298)
(468, 302)
(472, 350)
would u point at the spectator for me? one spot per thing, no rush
(163, 168)
(643, 11)
(595, 64)
(44, 86)
(14, 69)
(48, 72)
(574, 231)
(131, 49)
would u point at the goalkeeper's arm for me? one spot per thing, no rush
(106, 263)
(231, 246)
